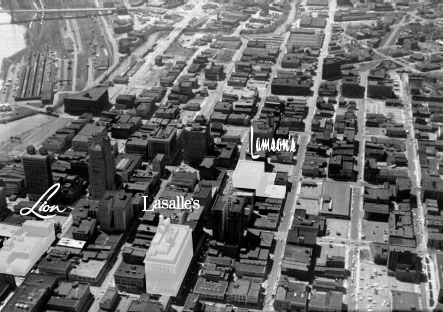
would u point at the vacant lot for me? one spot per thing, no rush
(178, 50)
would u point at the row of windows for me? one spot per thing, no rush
(159, 268)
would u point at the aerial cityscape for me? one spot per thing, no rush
(221, 155)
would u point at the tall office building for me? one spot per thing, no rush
(196, 141)
(101, 165)
(168, 258)
(236, 220)
(4, 211)
(218, 219)
(164, 141)
(228, 219)
(38, 174)
(115, 211)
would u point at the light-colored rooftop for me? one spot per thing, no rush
(248, 174)
(167, 244)
(71, 243)
(251, 175)
(7, 230)
(336, 195)
(267, 187)
(25, 247)
(90, 269)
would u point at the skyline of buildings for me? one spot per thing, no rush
(168, 109)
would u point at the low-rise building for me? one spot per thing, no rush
(25, 247)
(209, 290)
(75, 297)
(244, 292)
(130, 278)
(89, 271)
(91, 101)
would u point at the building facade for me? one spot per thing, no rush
(195, 142)
(38, 175)
(101, 166)
(115, 211)
(168, 258)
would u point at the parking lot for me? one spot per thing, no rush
(310, 190)
(337, 228)
(375, 285)
(375, 131)
(375, 231)
(379, 107)
(395, 114)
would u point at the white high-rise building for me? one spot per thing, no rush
(26, 246)
(168, 258)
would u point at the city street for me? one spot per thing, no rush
(162, 45)
(285, 223)
(357, 212)
(98, 292)
(216, 95)
(296, 178)
(361, 242)
(419, 212)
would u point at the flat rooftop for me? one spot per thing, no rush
(89, 95)
(90, 269)
(331, 250)
(71, 243)
(168, 243)
(7, 230)
(312, 205)
(251, 175)
(404, 301)
(88, 131)
(336, 199)
(251, 171)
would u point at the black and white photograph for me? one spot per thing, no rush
(221, 155)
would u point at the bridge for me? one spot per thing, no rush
(65, 13)
(53, 14)
(73, 10)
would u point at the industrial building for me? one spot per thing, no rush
(37, 79)
(91, 101)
